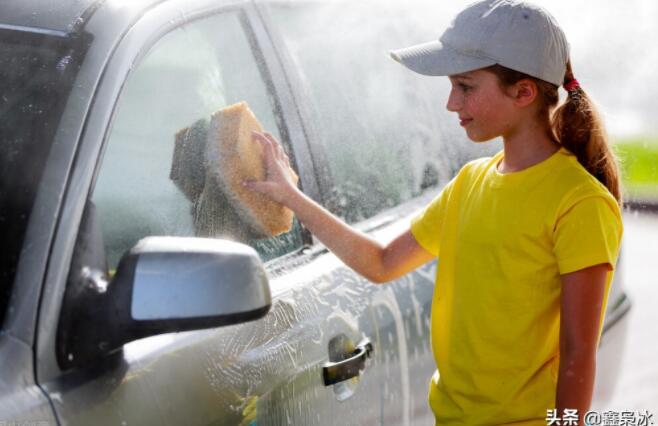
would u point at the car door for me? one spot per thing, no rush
(180, 62)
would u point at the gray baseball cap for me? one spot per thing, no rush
(515, 34)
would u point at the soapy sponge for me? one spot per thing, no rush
(187, 169)
(224, 207)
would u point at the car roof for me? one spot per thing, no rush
(63, 17)
(54, 16)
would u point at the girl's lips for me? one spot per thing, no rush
(464, 121)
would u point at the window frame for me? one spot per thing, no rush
(255, 52)
(312, 152)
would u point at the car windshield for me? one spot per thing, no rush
(35, 79)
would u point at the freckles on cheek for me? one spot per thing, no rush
(484, 103)
(480, 104)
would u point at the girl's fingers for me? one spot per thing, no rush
(267, 140)
(273, 151)
(266, 144)
(269, 137)
(280, 151)
(257, 186)
(260, 138)
(274, 142)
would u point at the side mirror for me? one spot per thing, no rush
(162, 285)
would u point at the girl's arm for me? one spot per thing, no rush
(376, 262)
(580, 310)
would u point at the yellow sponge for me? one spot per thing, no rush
(233, 156)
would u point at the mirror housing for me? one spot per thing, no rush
(161, 285)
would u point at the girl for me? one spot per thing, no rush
(528, 239)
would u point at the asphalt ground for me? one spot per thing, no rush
(627, 363)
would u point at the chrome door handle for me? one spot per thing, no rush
(335, 372)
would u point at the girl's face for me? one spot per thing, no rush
(484, 110)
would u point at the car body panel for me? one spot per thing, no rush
(20, 396)
(46, 16)
(272, 367)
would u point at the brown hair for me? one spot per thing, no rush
(576, 124)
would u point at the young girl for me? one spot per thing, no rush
(527, 240)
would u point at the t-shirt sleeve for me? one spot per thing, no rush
(587, 234)
(426, 225)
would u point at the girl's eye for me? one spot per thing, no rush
(464, 87)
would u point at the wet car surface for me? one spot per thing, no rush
(111, 83)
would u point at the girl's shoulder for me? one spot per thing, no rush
(576, 185)
(573, 176)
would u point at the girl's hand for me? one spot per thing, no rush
(278, 184)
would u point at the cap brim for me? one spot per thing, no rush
(434, 58)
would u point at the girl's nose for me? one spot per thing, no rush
(454, 103)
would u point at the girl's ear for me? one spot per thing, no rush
(525, 91)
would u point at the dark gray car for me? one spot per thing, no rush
(119, 308)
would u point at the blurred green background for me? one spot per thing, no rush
(638, 159)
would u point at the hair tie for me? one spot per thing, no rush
(571, 85)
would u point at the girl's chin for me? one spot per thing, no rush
(479, 138)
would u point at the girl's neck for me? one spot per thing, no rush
(525, 148)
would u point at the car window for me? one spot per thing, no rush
(143, 186)
(36, 76)
(382, 129)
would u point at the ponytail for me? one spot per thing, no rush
(576, 124)
(579, 128)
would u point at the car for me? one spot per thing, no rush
(119, 308)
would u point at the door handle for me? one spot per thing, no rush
(339, 371)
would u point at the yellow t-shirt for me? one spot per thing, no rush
(503, 240)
